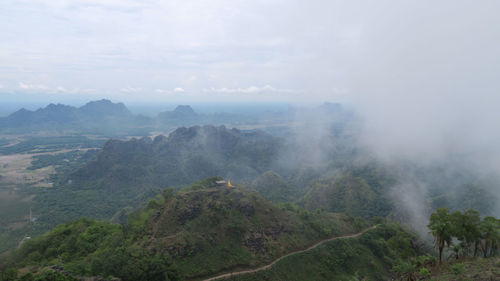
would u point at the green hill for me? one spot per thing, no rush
(359, 191)
(124, 173)
(199, 231)
(273, 187)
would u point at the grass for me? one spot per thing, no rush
(473, 269)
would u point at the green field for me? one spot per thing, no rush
(27, 166)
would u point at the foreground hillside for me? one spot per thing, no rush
(199, 231)
(369, 257)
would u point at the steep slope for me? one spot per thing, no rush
(199, 231)
(187, 154)
(126, 172)
(369, 257)
(217, 228)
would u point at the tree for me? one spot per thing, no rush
(490, 235)
(407, 270)
(8, 274)
(466, 230)
(442, 229)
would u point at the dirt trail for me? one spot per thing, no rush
(265, 267)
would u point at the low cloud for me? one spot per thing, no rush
(179, 90)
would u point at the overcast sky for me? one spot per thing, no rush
(151, 50)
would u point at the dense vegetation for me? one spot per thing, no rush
(357, 191)
(369, 257)
(201, 230)
(472, 233)
(274, 187)
(128, 172)
(204, 229)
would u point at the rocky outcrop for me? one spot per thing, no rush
(255, 241)
(189, 212)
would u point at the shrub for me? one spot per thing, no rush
(458, 268)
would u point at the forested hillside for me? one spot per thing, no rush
(201, 230)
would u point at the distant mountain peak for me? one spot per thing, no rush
(105, 107)
(180, 113)
(184, 111)
(184, 108)
(21, 112)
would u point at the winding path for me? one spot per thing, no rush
(265, 267)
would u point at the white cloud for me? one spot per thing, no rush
(249, 90)
(203, 44)
(25, 86)
(44, 89)
(61, 89)
(130, 90)
(161, 91)
(176, 90)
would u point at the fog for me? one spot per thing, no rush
(429, 93)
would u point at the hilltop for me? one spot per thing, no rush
(199, 231)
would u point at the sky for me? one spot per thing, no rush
(274, 50)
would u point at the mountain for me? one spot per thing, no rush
(358, 191)
(183, 112)
(101, 116)
(104, 109)
(273, 186)
(186, 154)
(125, 172)
(53, 114)
(182, 115)
(199, 231)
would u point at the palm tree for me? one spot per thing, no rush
(442, 229)
(490, 234)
